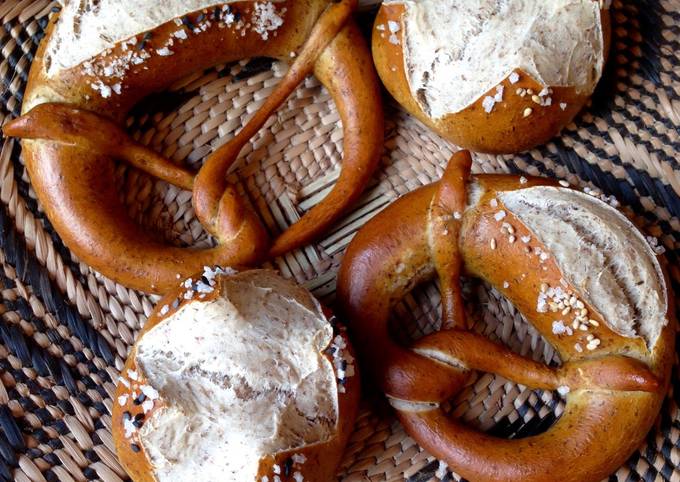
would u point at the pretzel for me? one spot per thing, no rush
(614, 383)
(72, 134)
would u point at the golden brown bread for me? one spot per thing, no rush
(71, 138)
(615, 383)
(313, 462)
(505, 130)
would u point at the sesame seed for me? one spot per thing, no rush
(593, 322)
(583, 312)
(566, 311)
(536, 99)
(544, 287)
(530, 91)
(578, 348)
(574, 325)
(583, 327)
(523, 180)
(564, 183)
(527, 249)
(457, 215)
(506, 284)
(597, 341)
(521, 92)
(511, 230)
(493, 244)
(493, 203)
(527, 112)
(591, 346)
(590, 337)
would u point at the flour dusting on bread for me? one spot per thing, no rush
(87, 28)
(600, 253)
(457, 50)
(241, 377)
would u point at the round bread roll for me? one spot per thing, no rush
(496, 77)
(236, 377)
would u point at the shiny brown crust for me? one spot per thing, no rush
(616, 391)
(505, 129)
(322, 458)
(72, 136)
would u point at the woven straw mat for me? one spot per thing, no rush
(66, 330)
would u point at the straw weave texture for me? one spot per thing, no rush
(65, 330)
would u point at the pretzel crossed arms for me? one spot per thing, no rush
(613, 393)
(69, 150)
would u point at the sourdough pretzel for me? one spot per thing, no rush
(614, 374)
(526, 94)
(138, 421)
(71, 132)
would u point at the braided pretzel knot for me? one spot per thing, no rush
(615, 383)
(72, 136)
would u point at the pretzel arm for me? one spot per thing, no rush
(445, 214)
(345, 70)
(86, 130)
(476, 352)
(211, 181)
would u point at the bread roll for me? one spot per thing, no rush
(237, 377)
(497, 77)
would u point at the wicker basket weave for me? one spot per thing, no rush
(65, 330)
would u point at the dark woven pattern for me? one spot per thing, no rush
(65, 331)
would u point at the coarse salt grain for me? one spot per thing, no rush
(513, 78)
(563, 105)
(298, 477)
(499, 94)
(499, 215)
(493, 203)
(457, 215)
(164, 52)
(523, 180)
(299, 459)
(129, 427)
(147, 406)
(564, 183)
(150, 392)
(506, 284)
(124, 382)
(563, 390)
(266, 19)
(525, 239)
(393, 26)
(488, 104)
(122, 400)
(133, 375)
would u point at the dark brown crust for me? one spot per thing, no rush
(322, 458)
(616, 390)
(505, 129)
(74, 184)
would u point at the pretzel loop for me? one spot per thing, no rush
(436, 236)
